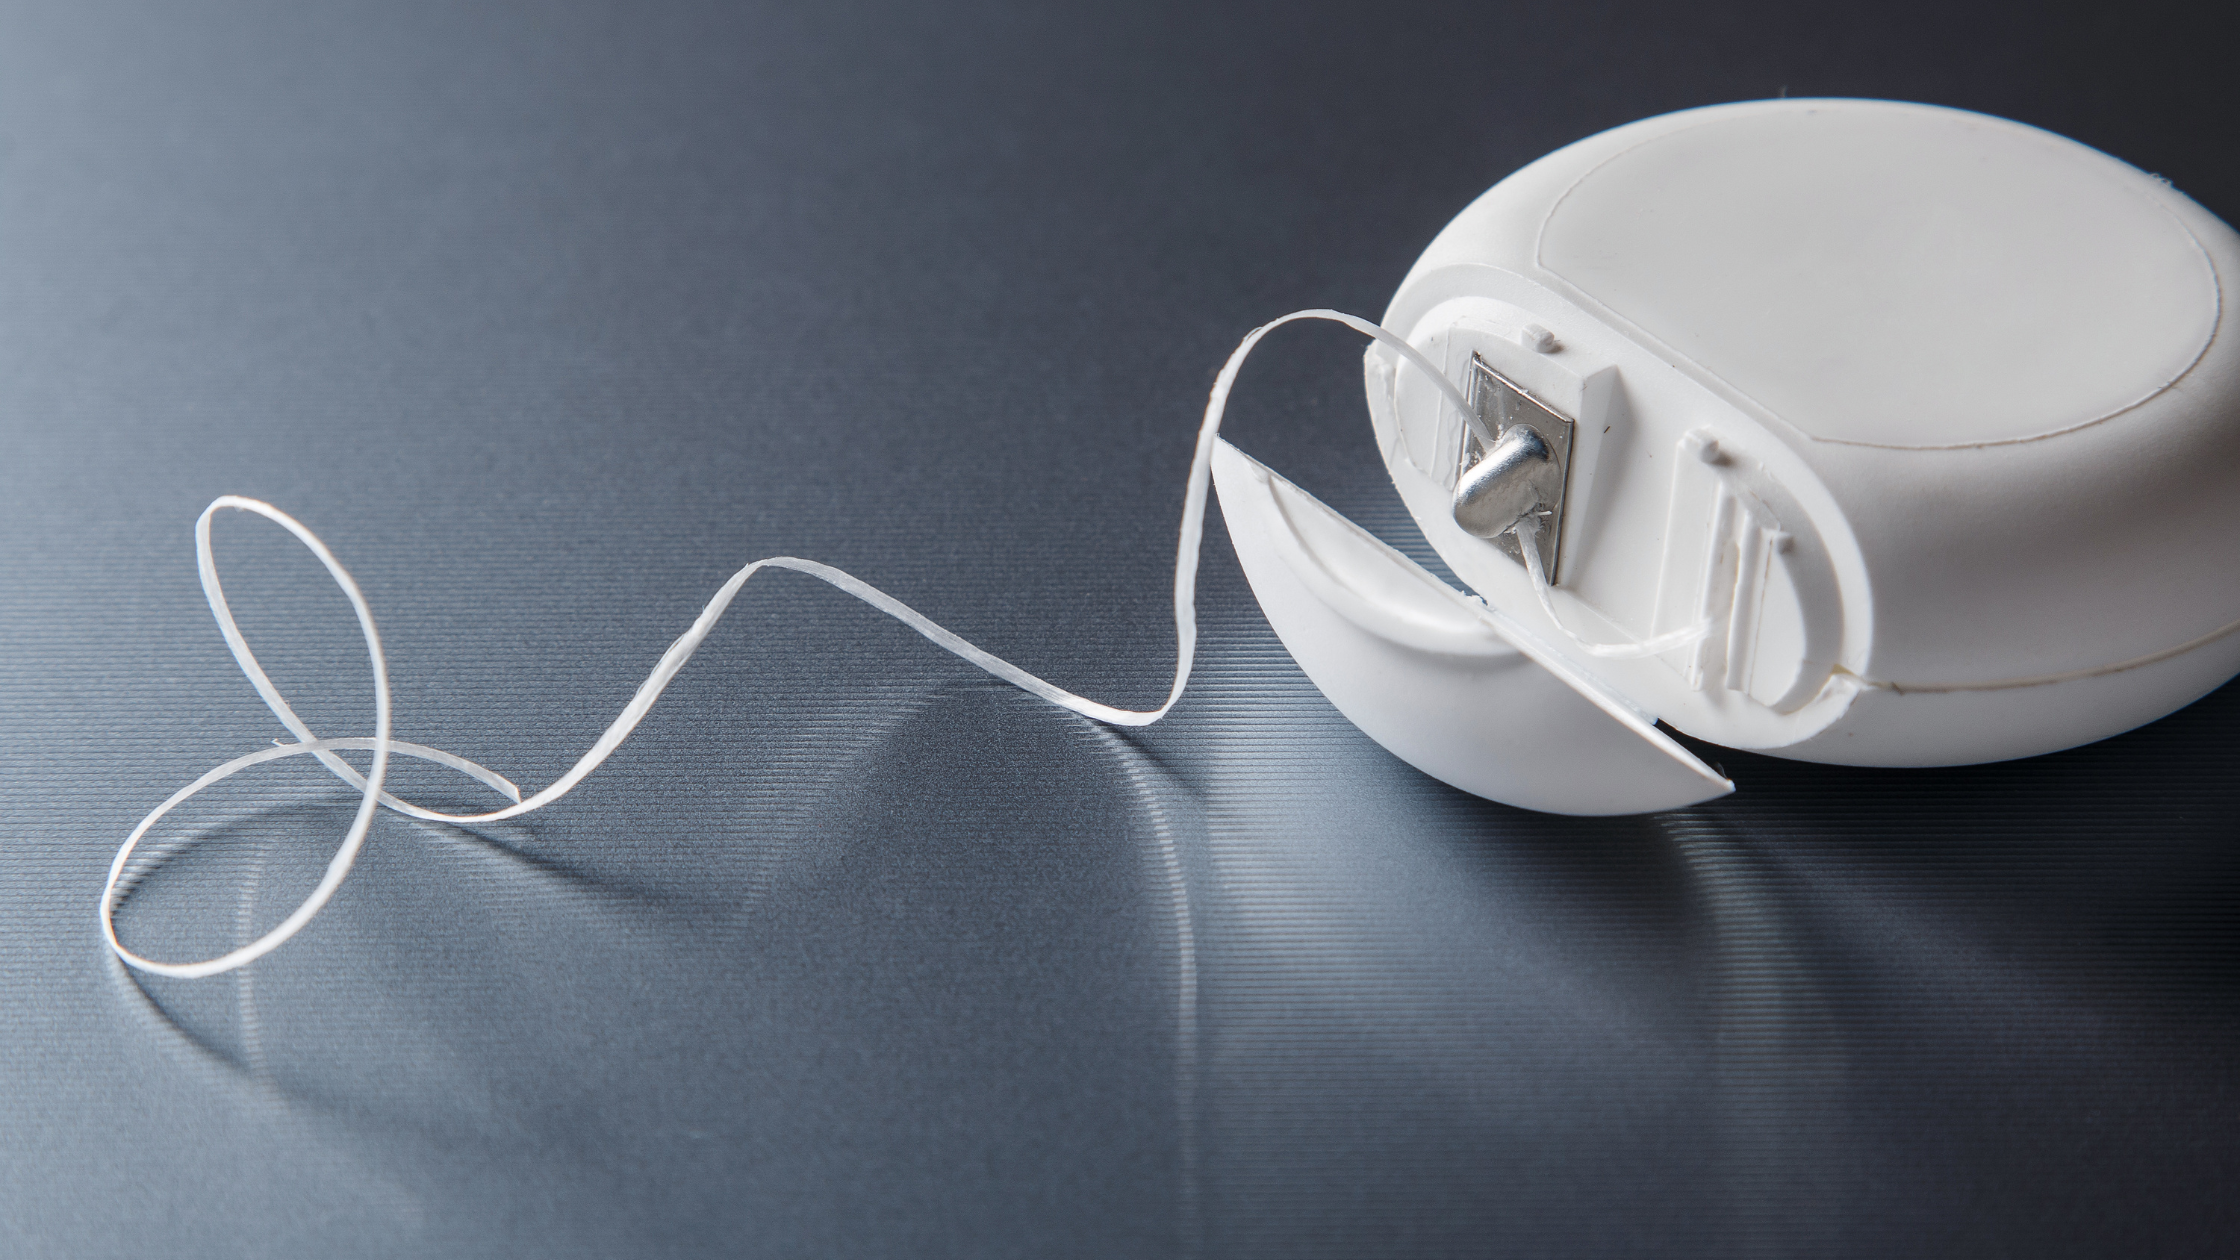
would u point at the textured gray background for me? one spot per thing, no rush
(547, 317)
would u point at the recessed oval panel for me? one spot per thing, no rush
(1894, 275)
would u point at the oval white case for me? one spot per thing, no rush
(1918, 421)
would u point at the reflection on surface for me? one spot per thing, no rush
(952, 997)
(929, 965)
(1154, 790)
(240, 854)
(995, 920)
(1464, 1023)
(1777, 1055)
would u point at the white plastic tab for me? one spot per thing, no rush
(1444, 683)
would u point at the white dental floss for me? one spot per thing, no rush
(672, 660)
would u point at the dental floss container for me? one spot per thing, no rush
(1885, 434)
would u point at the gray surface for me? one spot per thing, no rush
(548, 317)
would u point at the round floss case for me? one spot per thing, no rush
(1846, 431)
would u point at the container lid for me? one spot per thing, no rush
(1455, 688)
(1891, 274)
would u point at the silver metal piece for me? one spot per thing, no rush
(1506, 484)
(1515, 459)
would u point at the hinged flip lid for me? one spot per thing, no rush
(1454, 688)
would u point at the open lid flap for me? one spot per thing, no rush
(1453, 687)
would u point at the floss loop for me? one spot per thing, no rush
(679, 652)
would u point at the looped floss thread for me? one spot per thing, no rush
(383, 746)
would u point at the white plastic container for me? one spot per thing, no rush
(1927, 422)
